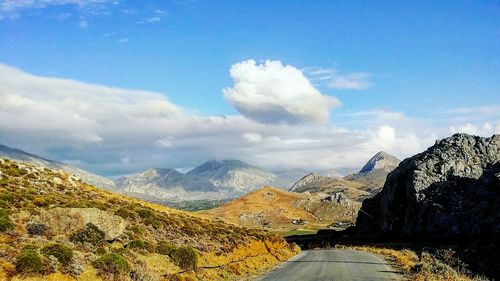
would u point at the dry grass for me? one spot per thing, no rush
(425, 267)
(275, 209)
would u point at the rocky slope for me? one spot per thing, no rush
(279, 210)
(213, 180)
(23, 156)
(54, 227)
(450, 190)
(317, 184)
(373, 174)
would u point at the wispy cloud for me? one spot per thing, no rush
(149, 20)
(83, 23)
(123, 40)
(15, 7)
(350, 81)
(340, 81)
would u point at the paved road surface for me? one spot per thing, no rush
(333, 265)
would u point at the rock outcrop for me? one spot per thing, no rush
(450, 190)
(69, 220)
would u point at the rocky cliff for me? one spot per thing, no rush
(450, 190)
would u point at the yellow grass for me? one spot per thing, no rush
(408, 262)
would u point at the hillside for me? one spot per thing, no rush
(23, 156)
(54, 227)
(213, 180)
(279, 210)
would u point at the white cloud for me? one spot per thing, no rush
(351, 81)
(275, 93)
(116, 131)
(71, 111)
(485, 129)
(14, 7)
(150, 20)
(252, 137)
(83, 23)
(123, 40)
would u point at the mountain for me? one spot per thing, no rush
(20, 155)
(380, 161)
(53, 227)
(315, 183)
(373, 174)
(449, 191)
(279, 210)
(213, 180)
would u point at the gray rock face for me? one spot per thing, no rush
(450, 190)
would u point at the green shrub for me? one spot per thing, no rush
(4, 204)
(126, 213)
(145, 213)
(165, 248)
(100, 251)
(29, 261)
(89, 234)
(141, 244)
(111, 264)
(5, 221)
(185, 257)
(63, 253)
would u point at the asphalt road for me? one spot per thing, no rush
(333, 265)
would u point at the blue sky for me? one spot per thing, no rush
(433, 67)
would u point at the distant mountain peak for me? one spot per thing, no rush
(381, 160)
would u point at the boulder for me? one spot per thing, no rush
(69, 220)
(450, 190)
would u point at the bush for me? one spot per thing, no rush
(63, 253)
(126, 213)
(145, 213)
(185, 257)
(165, 248)
(29, 261)
(89, 234)
(112, 264)
(100, 251)
(5, 221)
(36, 228)
(141, 244)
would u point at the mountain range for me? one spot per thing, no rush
(219, 180)
(213, 180)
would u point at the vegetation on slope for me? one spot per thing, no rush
(155, 243)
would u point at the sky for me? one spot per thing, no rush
(117, 87)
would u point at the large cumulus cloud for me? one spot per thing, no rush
(275, 93)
